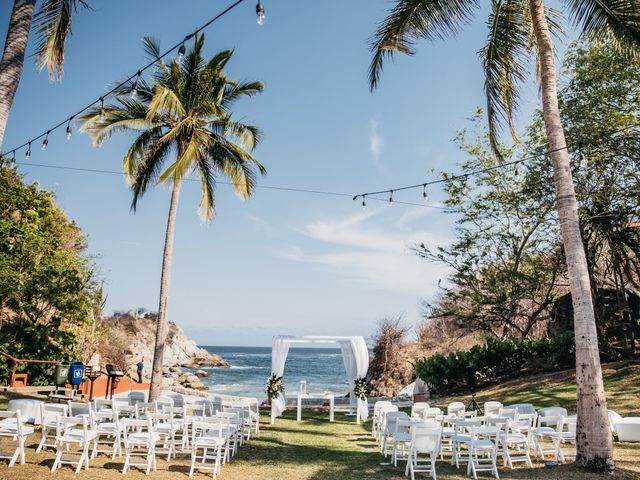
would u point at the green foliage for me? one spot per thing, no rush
(496, 361)
(274, 387)
(48, 291)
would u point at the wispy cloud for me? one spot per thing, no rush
(370, 257)
(375, 144)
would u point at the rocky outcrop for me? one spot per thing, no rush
(132, 338)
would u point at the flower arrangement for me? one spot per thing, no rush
(361, 389)
(274, 387)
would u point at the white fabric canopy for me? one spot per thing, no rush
(355, 355)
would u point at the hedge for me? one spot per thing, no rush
(494, 362)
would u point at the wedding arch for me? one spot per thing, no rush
(355, 356)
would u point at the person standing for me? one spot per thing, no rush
(140, 368)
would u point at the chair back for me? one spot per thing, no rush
(480, 432)
(163, 401)
(568, 424)
(551, 421)
(551, 412)
(135, 397)
(511, 413)
(455, 408)
(425, 438)
(11, 418)
(142, 408)
(162, 418)
(79, 408)
(211, 427)
(134, 425)
(523, 407)
(103, 404)
(391, 419)
(492, 408)
(73, 423)
(419, 409)
(49, 413)
(178, 400)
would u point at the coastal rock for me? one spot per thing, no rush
(203, 373)
(134, 337)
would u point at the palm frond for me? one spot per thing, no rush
(145, 142)
(232, 91)
(148, 169)
(53, 25)
(125, 115)
(615, 20)
(410, 20)
(165, 101)
(505, 59)
(195, 149)
(208, 182)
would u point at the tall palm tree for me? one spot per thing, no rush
(184, 125)
(517, 28)
(52, 24)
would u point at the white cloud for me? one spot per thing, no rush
(375, 144)
(371, 257)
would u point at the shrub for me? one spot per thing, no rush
(496, 361)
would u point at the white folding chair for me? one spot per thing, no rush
(516, 435)
(12, 426)
(73, 432)
(546, 429)
(483, 450)
(135, 397)
(108, 433)
(389, 429)
(49, 413)
(139, 442)
(375, 420)
(231, 433)
(253, 406)
(418, 410)
(77, 409)
(401, 439)
(244, 421)
(382, 414)
(462, 438)
(425, 441)
(207, 445)
(566, 434)
(167, 428)
(511, 413)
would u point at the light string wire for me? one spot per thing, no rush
(424, 185)
(100, 101)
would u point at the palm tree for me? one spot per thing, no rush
(52, 24)
(516, 29)
(184, 125)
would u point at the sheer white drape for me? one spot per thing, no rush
(355, 355)
(279, 352)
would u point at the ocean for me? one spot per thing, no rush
(322, 368)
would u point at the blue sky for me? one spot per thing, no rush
(283, 262)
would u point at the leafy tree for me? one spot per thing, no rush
(185, 113)
(506, 261)
(48, 288)
(52, 24)
(517, 29)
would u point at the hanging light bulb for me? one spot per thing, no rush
(425, 197)
(13, 157)
(69, 130)
(181, 51)
(364, 202)
(391, 198)
(134, 90)
(583, 161)
(28, 152)
(260, 13)
(102, 115)
(517, 172)
(45, 142)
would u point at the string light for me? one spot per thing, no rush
(583, 160)
(364, 202)
(425, 197)
(27, 155)
(69, 130)
(391, 198)
(134, 90)
(260, 13)
(13, 157)
(45, 142)
(181, 51)
(117, 88)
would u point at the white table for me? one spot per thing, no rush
(325, 396)
(628, 429)
(29, 409)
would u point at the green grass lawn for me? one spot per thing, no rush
(315, 449)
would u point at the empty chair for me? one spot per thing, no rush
(73, 440)
(565, 434)
(492, 408)
(253, 406)
(462, 438)
(483, 450)
(425, 442)
(49, 413)
(389, 429)
(163, 401)
(139, 443)
(546, 428)
(207, 445)
(12, 427)
(244, 420)
(401, 439)
(178, 400)
(551, 412)
(231, 433)
(108, 433)
(167, 429)
(455, 409)
(511, 413)
(516, 435)
(375, 421)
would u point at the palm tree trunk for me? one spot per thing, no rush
(12, 61)
(161, 328)
(594, 443)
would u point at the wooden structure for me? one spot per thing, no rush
(20, 379)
